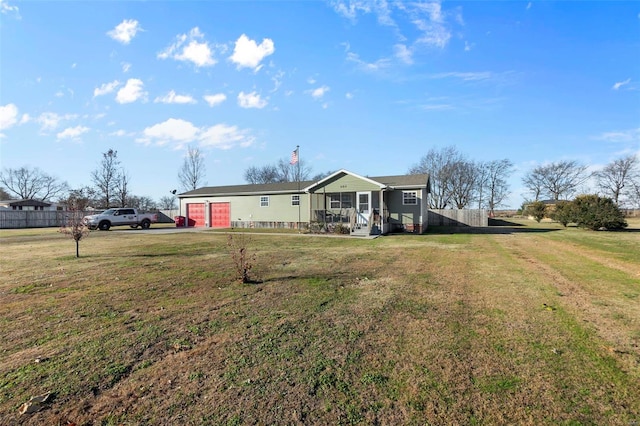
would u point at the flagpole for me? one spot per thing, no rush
(299, 196)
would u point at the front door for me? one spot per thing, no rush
(363, 206)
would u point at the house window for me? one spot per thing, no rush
(409, 198)
(346, 200)
(264, 201)
(335, 201)
(295, 200)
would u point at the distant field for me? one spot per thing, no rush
(523, 323)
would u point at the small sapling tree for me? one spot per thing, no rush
(74, 225)
(243, 261)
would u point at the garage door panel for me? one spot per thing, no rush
(220, 215)
(195, 213)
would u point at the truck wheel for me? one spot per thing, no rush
(146, 224)
(104, 226)
(134, 226)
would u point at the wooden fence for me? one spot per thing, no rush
(13, 219)
(455, 217)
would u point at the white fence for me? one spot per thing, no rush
(456, 217)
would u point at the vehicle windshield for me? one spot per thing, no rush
(108, 212)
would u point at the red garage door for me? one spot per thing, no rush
(220, 215)
(195, 214)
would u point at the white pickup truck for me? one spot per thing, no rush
(119, 217)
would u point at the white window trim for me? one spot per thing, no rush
(263, 199)
(404, 198)
(293, 201)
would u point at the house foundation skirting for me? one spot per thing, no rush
(275, 225)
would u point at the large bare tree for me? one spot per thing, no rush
(32, 183)
(193, 171)
(439, 164)
(618, 175)
(463, 183)
(556, 180)
(106, 178)
(495, 185)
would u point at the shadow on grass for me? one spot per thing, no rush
(502, 229)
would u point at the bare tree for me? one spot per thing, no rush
(556, 180)
(106, 177)
(462, 183)
(618, 175)
(533, 181)
(193, 172)
(497, 173)
(4, 195)
(31, 183)
(167, 202)
(258, 175)
(74, 225)
(122, 193)
(439, 166)
(282, 171)
(143, 203)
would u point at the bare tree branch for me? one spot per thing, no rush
(193, 172)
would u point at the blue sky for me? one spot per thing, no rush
(366, 86)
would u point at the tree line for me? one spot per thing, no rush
(456, 181)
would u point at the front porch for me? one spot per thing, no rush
(359, 212)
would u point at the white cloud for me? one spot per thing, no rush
(403, 53)
(216, 99)
(251, 100)
(131, 92)
(50, 120)
(465, 76)
(187, 48)
(105, 88)
(119, 133)
(248, 54)
(619, 84)
(72, 132)
(222, 136)
(126, 67)
(318, 92)
(348, 95)
(125, 31)
(25, 118)
(529, 5)
(180, 133)
(173, 98)
(176, 131)
(379, 65)
(625, 136)
(8, 116)
(468, 46)
(6, 9)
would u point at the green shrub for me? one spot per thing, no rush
(564, 212)
(537, 210)
(595, 212)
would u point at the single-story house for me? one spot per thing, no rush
(25, 205)
(365, 205)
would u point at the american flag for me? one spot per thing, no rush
(294, 157)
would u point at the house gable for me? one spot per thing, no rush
(344, 181)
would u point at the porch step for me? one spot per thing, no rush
(362, 231)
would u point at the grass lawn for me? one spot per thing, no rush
(525, 324)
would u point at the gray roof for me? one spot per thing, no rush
(400, 181)
(35, 203)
